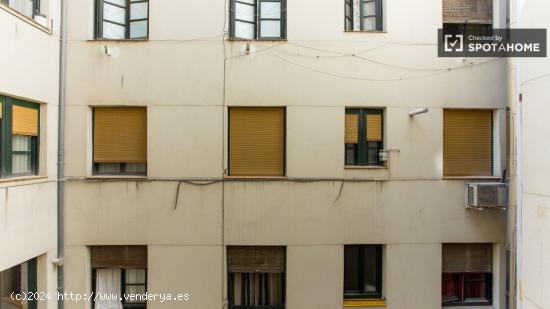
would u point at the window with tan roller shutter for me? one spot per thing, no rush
(467, 142)
(256, 141)
(120, 135)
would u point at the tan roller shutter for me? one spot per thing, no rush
(244, 259)
(257, 138)
(467, 258)
(468, 11)
(120, 135)
(374, 128)
(467, 142)
(25, 120)
(352, 129)
(119, 256)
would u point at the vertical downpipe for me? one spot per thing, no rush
(61, 152)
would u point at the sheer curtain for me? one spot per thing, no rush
(108, 289)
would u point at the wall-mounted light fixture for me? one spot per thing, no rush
(418, 111)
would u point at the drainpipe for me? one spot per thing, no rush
(61, 153)
(519, 177)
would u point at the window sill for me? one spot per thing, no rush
(255, 177)
(471, 177)
(365, 31)
(365, 302)
(255, 40)
(122, 177)
(119, 40)
(365, 167)
(22, 178)
(25, 18)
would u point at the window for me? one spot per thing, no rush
(467, 17)
(363, 15)
(258, 19)
(467, 274)
(256, 277)
(120, 140)
(362, 271)
(256, 141)
(363, 136)
(20, 279)
(28, 8)
(122, 19)
(122, 271)
(467, 142)
(19, 127)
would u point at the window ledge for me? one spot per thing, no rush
(255, 40)
(255, 177)
(471, 177)
(122, 177)
(25, 18)
(379, 302)
(365, 31)
(21, 178)
(365, 167)
(119, 40)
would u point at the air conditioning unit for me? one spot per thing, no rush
(486, 195)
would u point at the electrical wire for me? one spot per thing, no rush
(377, 80)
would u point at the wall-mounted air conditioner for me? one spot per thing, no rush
(486, 195)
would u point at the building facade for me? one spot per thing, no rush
(263, 153)
(528, 216)
(29, 37)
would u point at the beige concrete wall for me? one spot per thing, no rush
(29, 70)
(179, 75)
(533, 193)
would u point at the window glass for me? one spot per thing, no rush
(362, 271)
(270, 28)
(122, 19)
(254, 19)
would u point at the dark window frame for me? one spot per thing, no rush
(460, 282)
(35, 7)
(362, 148)
(6, 139)
(360, 267)
(123, 284)
(98, 24)
(379, 15)
(257, 20)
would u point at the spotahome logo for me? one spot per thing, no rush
(499, 43)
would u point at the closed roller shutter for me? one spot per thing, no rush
(120, 135)
(25, 121)
(467, 142)
(263, 259)
(467, 258)
(374, 128)
(352, 129)
(257, 138)
(119, 256)
(468, 11)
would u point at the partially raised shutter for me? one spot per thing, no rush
(467, 142)
(263, 259)
(374, 128)
(120, 135)
(119, 256)
(352, 129)
(468, 11)
(467, 258)
(24, 120)
(257, 138)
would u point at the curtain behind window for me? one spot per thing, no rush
(108, 289)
